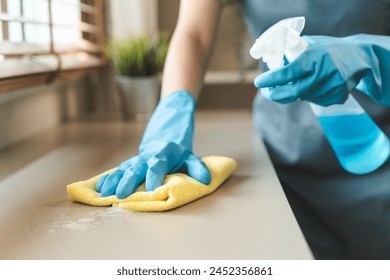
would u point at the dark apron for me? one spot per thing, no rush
(342, 216)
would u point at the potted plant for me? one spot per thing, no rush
(137, 62)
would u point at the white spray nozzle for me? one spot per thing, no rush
(283, 38)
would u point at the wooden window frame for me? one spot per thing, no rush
(25, 65)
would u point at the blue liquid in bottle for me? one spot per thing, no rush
(360, 146)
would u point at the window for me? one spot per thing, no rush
(41, 40)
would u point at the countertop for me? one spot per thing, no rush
(248, 217)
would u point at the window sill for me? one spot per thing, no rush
(20, 73)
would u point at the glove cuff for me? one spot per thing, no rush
(181, 94)
(172, 121)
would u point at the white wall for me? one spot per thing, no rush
(29, 111)
(133, 17)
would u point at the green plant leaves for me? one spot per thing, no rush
(138, 56)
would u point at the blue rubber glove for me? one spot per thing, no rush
(166, 147)
(330, 68)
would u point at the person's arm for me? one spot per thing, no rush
(166, 145)
(330, 68)
(191, 46)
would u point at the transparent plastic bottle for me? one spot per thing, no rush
(359, 144)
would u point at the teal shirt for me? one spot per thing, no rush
(286, 129)
(323, 17)
(342, 216)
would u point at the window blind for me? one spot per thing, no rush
(44, 40)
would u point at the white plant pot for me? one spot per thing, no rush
(139, 96)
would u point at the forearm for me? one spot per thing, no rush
(191, 46)
(185, 65)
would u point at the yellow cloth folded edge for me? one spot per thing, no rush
(178, 189)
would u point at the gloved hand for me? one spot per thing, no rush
(165, 148)
(329, 68)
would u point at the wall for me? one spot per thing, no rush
(132, 17)
(27, 112)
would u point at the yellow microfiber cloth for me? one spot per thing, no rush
(178, 189)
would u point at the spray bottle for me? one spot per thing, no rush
(358, 143)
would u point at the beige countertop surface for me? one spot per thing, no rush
(248, 217)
